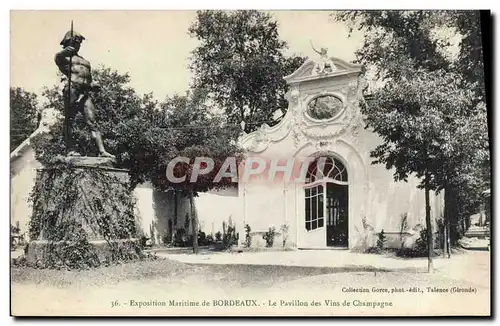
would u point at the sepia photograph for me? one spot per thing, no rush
(331, 163)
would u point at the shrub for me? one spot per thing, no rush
(152, 232)
(409, 253)
(15, 236)
(284, 231)
(230, 238)
(421, 243)
(372, 250)
(167, 238)
(202, 238)
(381, 241)
(420, 249)
(248, 237)
(403, 227)
(269, 237)
(15, 229)
(142, 241)
(218, 236)
(182, 239)
(365, 235)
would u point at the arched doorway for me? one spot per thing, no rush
(327, 200)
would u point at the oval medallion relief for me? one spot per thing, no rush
(324, 107)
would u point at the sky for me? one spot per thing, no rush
(152, 46)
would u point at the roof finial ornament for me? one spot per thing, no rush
(325, 65)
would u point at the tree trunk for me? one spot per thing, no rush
(451, 213)
(446, 222)
(445, 249)
(448, 246)
(176, 211)
(445, 218)
(428, 222)
(194, 222)
(453, 221)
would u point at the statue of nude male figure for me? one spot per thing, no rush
(78, 70)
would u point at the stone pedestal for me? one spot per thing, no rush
(82, 214)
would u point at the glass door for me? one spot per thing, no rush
(314, 206)
(337, 222)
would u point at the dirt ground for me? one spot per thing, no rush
(169, 288)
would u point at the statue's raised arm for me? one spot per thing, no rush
(315, 50)
(325, 64)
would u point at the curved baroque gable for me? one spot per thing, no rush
(322, 106)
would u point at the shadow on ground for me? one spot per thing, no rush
(225, 275)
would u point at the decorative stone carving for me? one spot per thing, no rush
(352, 88)
(265, 135)
(348, 124)
(336, 112)
(261, 140)
(293, 97)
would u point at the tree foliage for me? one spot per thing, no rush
(427, 112)
(428, 104)
(145, 134)
(23, 115)
(241, 65)
(193, 131)
(470, 58)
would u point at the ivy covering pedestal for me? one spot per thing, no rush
(83, 215)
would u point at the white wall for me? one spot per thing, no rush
(23, 175)
(215, 207)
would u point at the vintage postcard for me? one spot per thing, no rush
(250, 163)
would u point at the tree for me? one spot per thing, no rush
(415, 118)
(241, 65)
(426, 105)
(23, 115)
(195, 132)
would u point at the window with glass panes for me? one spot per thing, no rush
(314, 207)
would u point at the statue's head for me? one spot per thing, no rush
(324, 51)
(72, 38)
